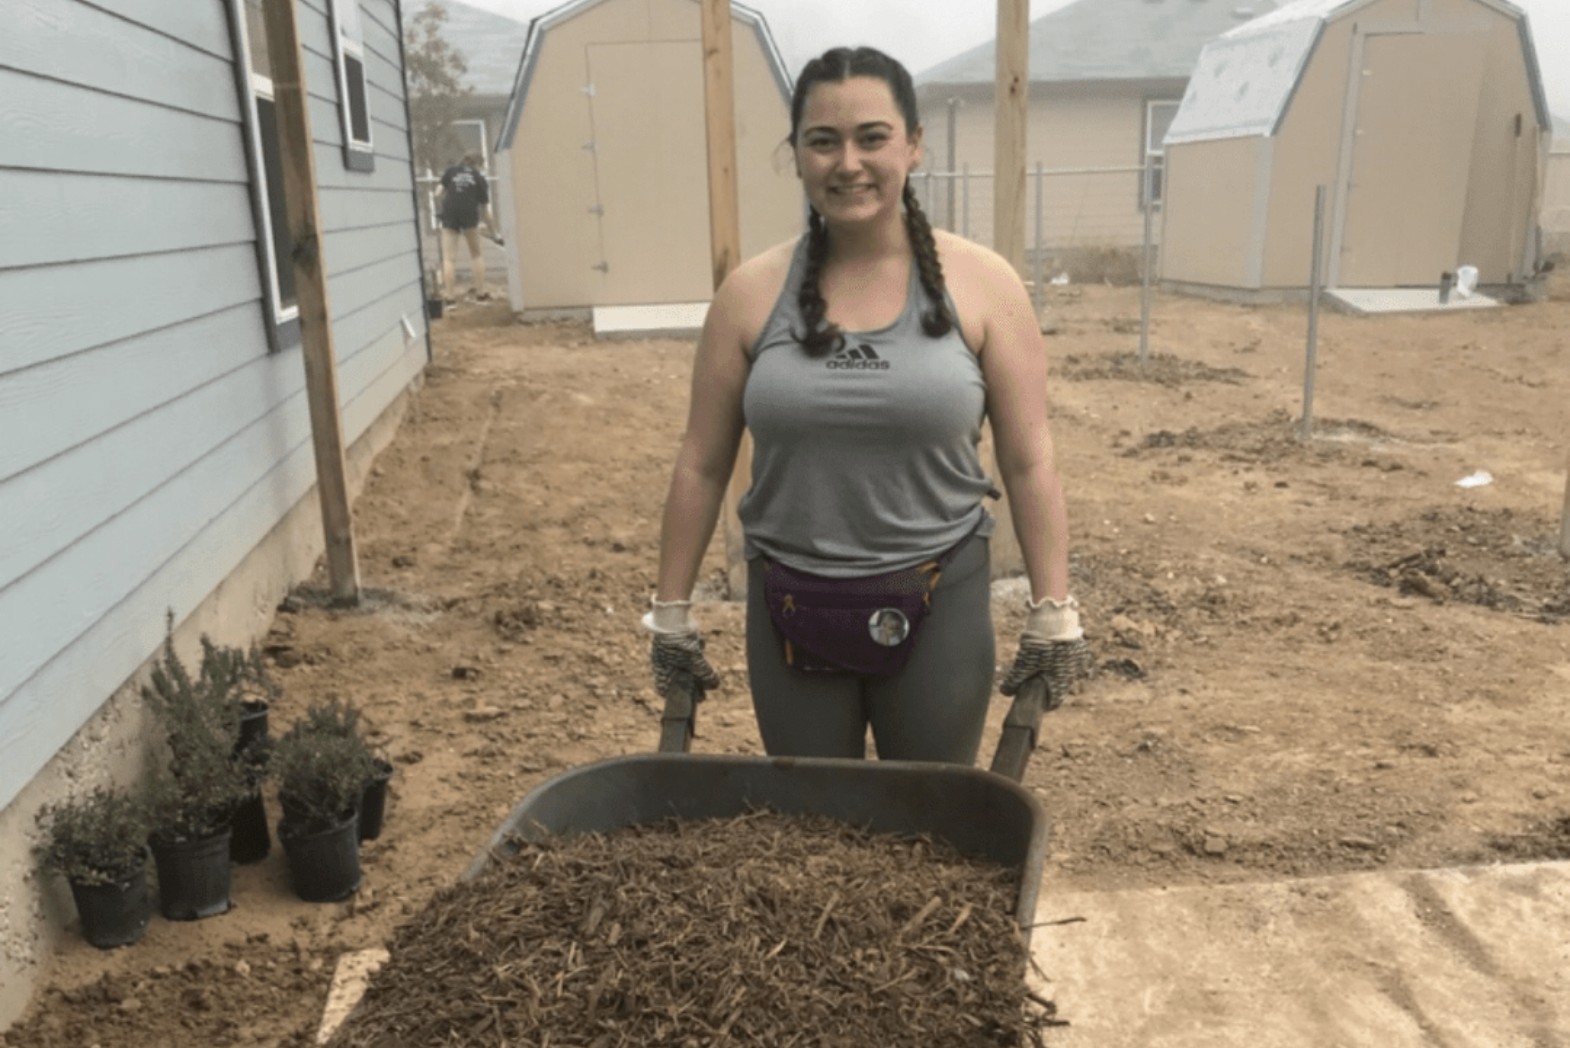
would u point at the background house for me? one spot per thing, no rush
(155, 445)
(1106, 79)
(603, 159)
(492, 45)
(1556, 193)
(1427, 124)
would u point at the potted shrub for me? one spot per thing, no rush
(241, 679)
(322, 770)
(340, 718)
(194, 797)
(98, 843)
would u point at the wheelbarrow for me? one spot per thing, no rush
(984, 814)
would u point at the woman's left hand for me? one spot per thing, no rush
(1052, 646)
(1062, 663)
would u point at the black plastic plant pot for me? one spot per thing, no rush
(253, 726)
(114, 914)
(250, 840)
(193, 877)
(324, 865)
(373, 802)
(434, 307)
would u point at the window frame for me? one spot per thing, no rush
(283, 319)
(1154, 149)
(358, 154)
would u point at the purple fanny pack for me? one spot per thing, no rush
(863, 625)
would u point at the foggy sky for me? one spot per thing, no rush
(922, 33)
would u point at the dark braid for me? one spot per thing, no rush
(822, 336)
(936, 321)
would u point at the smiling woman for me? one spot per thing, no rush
(864, 358)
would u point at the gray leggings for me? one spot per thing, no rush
(932, 710)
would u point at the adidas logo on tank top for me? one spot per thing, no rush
(857, 358)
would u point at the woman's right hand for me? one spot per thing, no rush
(677, 650)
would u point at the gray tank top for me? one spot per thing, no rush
(867, 460)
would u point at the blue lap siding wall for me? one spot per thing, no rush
(149, 438)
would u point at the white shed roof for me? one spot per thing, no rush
(1245, 78)
(541, 24)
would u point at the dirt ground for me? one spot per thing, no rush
(1314, 656)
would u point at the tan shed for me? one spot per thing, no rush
(602, 160)
(1424, 119)
(1556, 194)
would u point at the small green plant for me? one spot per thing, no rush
(99, 838)
(195, 795)
(197, 798)
(237, 675)
(334, 717)
(322, 764)
(196, 713)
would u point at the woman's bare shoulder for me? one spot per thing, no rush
(970, 262)
(982, 284)
(748, 294)
(768, 267)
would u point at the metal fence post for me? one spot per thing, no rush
(1144, 296)
(1306, 430)
(952, 154)
(965, 195)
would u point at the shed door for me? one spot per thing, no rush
(651, 165)
(1412, 139)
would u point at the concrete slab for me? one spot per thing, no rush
(1463, 958)
(681, 320)
(1370, 300)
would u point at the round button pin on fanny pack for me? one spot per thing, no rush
(889, 627)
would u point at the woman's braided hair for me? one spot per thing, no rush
(836, 66)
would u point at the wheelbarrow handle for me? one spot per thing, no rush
(1022, 728)
(679, 722)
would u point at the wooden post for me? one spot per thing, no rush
(321, 378)
(719, 104)
(1008, 231)
(1013, 102)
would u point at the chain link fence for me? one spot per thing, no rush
(1082, 225)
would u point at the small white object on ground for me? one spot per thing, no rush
(350, 980)
(1476, 480)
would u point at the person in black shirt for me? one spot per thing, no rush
(463, 200)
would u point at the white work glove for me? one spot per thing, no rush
(1052, 646)
(676, 647)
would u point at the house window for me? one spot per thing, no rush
(274, 245)
(353, 106)
(1158, 118)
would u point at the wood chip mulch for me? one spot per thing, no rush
(764, 930)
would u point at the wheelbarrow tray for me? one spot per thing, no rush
(980, 813)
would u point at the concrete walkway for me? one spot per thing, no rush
(1463, 958)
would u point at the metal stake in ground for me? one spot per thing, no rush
(1306, 429)
(1144, 293)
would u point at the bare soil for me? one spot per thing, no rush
(1315, 656)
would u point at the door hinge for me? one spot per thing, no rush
(589, 147)
(597, 210)
(587, 89)
(603, 267)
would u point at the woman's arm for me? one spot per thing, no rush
(1014, 363)
(707, 454)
